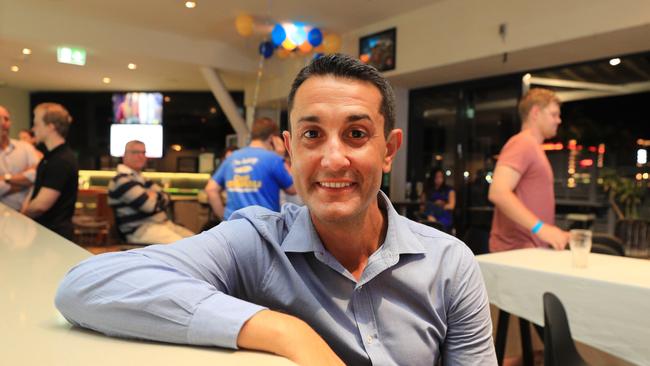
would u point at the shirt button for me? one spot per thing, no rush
(369, 339)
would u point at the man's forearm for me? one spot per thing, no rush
(287, 336)
(34, 210)
(514, 209)
(216, 204)
(20, 181)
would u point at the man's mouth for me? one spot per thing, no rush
(335, 184)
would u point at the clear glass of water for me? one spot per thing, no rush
(580, 243)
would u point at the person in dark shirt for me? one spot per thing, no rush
(439, 200)
(55, 190)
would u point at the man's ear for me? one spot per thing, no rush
(286, 136)
(393, 143)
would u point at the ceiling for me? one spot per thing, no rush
(167, 41)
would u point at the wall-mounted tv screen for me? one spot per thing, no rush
(137, 108)
(378, 49)
(151, 135)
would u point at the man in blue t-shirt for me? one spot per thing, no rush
(253, 175)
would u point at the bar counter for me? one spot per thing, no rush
(32, 262)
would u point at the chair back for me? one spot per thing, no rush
(559, 348)
(606, 244)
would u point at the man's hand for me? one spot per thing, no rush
(557, 238)
(287, 336)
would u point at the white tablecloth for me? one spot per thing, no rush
(32, 262)
(608, 303)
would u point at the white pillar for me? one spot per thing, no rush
(398, 174)
(227, 105)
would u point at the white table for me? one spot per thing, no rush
(608, 303)
(32, 262)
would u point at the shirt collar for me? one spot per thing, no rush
(60, 147)
(10, 146)
(303, 238)
(123, 169)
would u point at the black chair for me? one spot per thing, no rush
(559, 348)
(606, 244)
(478, 240)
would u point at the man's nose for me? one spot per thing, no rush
(334, 155)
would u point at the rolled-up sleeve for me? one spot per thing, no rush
(178, 293)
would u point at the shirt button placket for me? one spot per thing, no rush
(364, 320)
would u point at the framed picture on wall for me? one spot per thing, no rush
(378, 49)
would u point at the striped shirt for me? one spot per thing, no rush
(128, 194)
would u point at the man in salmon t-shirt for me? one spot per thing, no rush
(522, 186)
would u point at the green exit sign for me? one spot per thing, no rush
(70, 55)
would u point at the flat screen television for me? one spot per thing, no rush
(137, 108)
(151, 135)
(378, 49)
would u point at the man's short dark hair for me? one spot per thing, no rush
(263, 128)
(344, 66)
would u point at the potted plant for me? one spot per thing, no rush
(633, 231)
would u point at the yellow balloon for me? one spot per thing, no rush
(288, 45)
(244, 24)
(332, 43)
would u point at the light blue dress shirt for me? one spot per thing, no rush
(420, 297)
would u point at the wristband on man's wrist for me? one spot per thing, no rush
(537, 227)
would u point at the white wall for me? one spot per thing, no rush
(17, 101)
(454, 40)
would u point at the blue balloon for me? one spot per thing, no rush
(315, 37)
(266, 49)
(278, 34)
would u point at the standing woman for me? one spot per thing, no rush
(439, 200)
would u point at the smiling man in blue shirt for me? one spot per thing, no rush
(344, 279)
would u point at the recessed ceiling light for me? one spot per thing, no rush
(15, 68)
(167, 99)
(132, 66)
(27, 51)
(615, 61)
(106, 80)
(190, 4)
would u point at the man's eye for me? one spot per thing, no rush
(310, 134)
(357, 134)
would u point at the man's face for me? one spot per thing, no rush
(25, 136)
(134, 156)
(41, 129)
(5, 123)
(549, 120)
(337, 147)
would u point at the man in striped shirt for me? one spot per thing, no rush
(140, 205)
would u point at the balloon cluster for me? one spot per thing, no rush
(286, 38)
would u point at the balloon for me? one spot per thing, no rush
(305, 47)
(364, 58)
(315, 37)
(332, 43)
(282, 52)
(278, 34)
(244, 24)
(297, 33)
(266, 49)
(288, 45)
